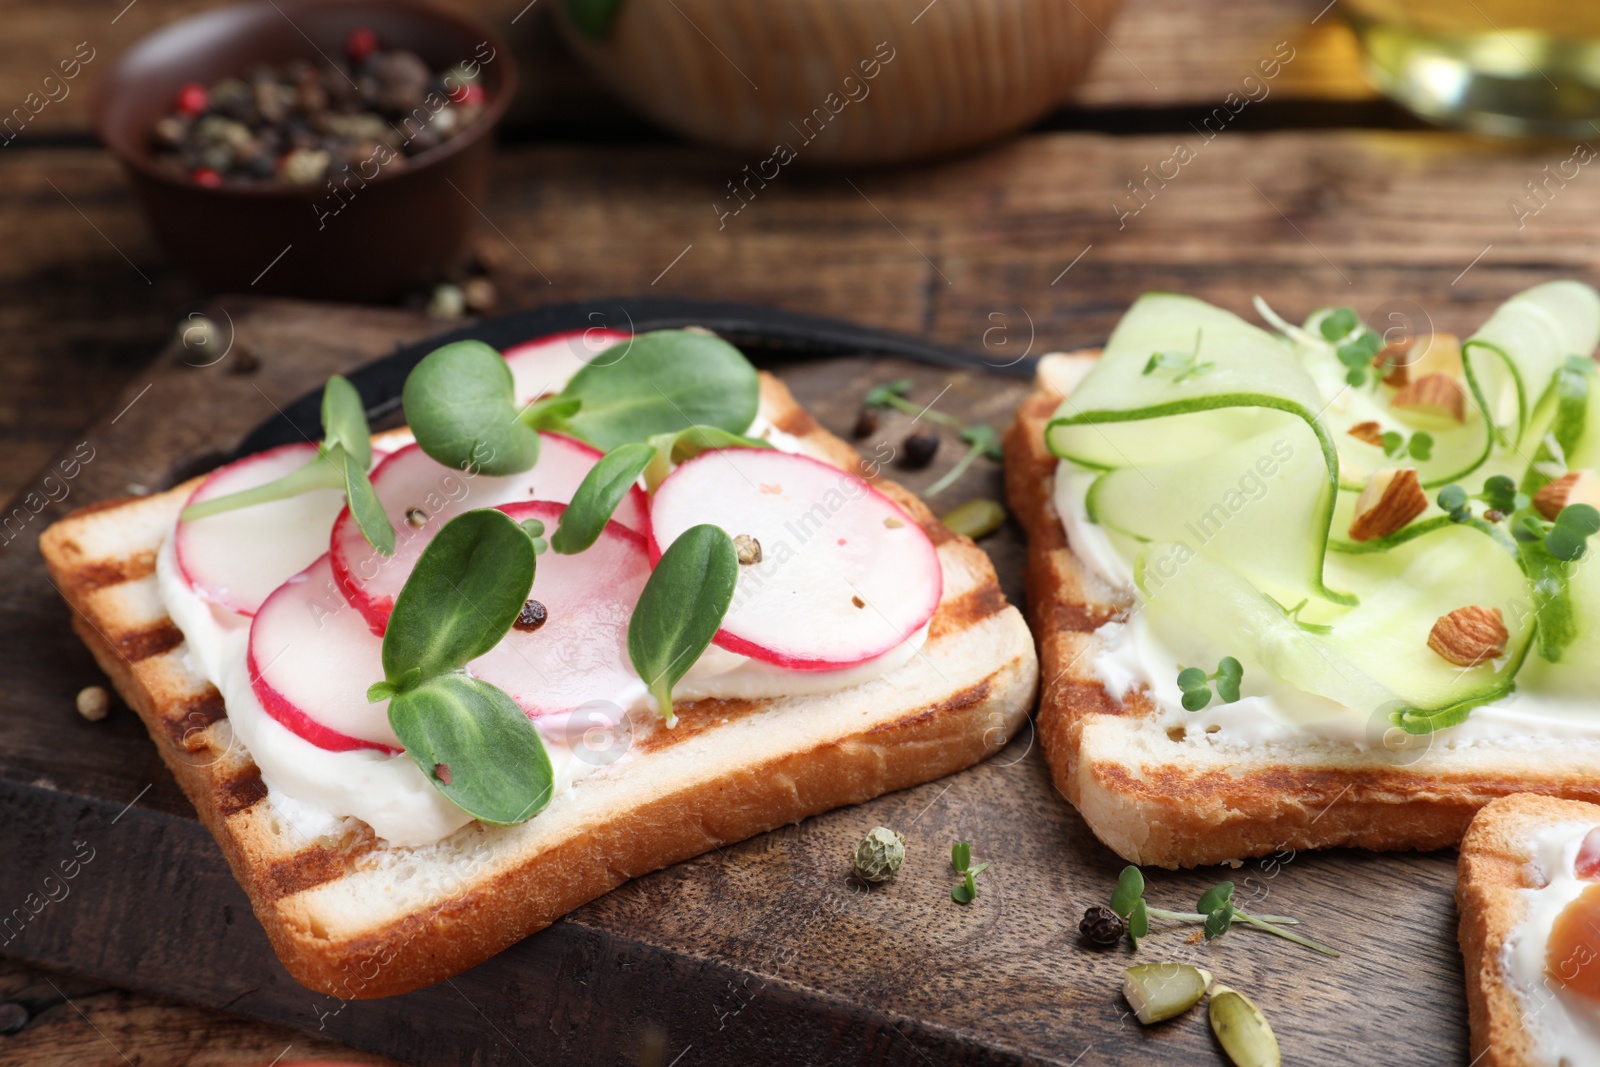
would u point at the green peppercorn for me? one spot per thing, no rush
(880, 854)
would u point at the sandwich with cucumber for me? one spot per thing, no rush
(606, 603)
(1307, 585)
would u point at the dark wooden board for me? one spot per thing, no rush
(761, 951)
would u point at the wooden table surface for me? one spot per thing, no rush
(1317, 193)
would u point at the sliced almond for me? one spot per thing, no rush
(1370, 432)
(1389, 500)
(1435, 394)
(1581, 486)
(1469, 635)
(1402, 362)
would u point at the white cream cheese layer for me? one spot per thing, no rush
(1565, 1027)
(1132, 654)
(313, 788)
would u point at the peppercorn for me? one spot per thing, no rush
(94, 703)
(866, 424)
(879, 854)
(919, 449)
(747, 549)
(1101, 926)
(531, 617)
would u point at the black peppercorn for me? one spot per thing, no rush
(1101, 926)
(919, 449)
(531, 617)
(866, 424)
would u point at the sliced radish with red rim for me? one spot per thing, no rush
(545, 364)
(311, 659)
(420, 495)
(845, 574)
(578, 654)
(236, 559)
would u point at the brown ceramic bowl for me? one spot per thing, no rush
(843, 81)
(396, 232)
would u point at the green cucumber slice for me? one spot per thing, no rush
(1375, 659)
(1529, 336)
(1230, 504)
(1239, 382)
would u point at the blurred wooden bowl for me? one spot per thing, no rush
(844, 81)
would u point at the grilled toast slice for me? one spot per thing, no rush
(1164, 796)
(1496, 864)
(355, 917)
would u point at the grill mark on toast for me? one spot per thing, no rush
(241, 792)
(967, 610)
(795, 421)
(153, 640)
(317, 865)
(188, 722)
(106, 572)
(694, 717)
(1081, 618)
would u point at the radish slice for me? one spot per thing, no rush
(579, 654)
(236, 559)
(545, 365)
(845, 574)
(411, 482)
(311, 660)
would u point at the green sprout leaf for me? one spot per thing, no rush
(344, 421)
(1138, 922)
(961, 856)
(476, 746)
(1229, 674)
(664, 381)
(1215, 897)
(681, 609)
(460, 402)
(683, 445)
(1338, 324)
(550, 412)
(466, 590)
(1129, 891)
(885, 395)
(981, 441)
(1218, 921)
(598, 496)
(341, 462)
(1183, 365)
(965, 891)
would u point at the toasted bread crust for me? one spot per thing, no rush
(497, 885)
(1493, 868)
(1185, 801)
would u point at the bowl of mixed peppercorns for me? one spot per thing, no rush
(335, 149)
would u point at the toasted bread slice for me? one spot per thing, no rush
(1161, 795)
(1496, 863)
(352, 916)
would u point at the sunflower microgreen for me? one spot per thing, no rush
(342, 461)
(469, 739)
(681, 609)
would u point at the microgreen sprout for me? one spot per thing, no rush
(342, 461)
(1499, 494)
(895, 395)
(1418, 446)
(1196, 683)
(981, 441)
(1355, 344)
(965, 891)
(1220, 912)
(1183, 365)
(1217, 912)
(1567, 538)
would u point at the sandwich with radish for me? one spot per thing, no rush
(1299, 586)
(605, 603)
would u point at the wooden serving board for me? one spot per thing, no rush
(763, 951)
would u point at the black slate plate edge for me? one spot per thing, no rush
(774, 330)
